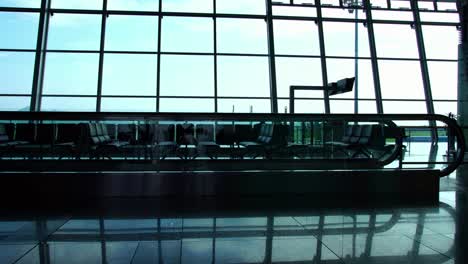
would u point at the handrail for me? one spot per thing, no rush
(388, 119)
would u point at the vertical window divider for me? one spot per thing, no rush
(271, 56)
(40, 57)
(373, 53)
(101, 55)
(323, 59)
(215, 57)
(424, 67)
(158, 68)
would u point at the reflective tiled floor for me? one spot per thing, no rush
(436, 234)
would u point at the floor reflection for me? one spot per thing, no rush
(393, 235)
(403, 235)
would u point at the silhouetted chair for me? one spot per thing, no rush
(207, 145)
(271, 138)
(67, 140)
(102, 145)
(164, 139)
(7, 145)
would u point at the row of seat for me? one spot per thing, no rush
(358, 139)
(99, 139)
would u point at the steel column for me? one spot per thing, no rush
(158, 68)
(323, 60)
(373, 52)
(424, 68)
(40, 60)
(271, 57)
(101, 55)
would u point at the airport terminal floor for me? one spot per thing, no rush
(124, 233)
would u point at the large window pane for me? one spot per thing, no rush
(441, 42)
(16, 72)
(241, 6)
(24, 3)
(194, 6)
(348, 13)
(296, 37)
(410, 107)
(241, 36)
(17, 103)
(244, 106)
(132, 33)
(302, 106)
(401, 79)
(447, 6)
(129, 74)
(186, 105)
(379, 3)
(128, 105)
(69, 104)
(395, 41)
(340, 39)
(187, 34)
(443, 76)
(444, 108)
(133, 5)
(243, 76)
(77, 4)
(298, 71)
(341, 106)
(183, 75)
(338, 69)
(439, 17)
(295, 11)
(367, 107)
(74, 32)
(71, 73)
(392, 15)
(18, 30)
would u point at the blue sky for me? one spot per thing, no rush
(193, 75)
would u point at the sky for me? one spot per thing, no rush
(131, 75)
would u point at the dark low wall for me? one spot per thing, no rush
(314, 188)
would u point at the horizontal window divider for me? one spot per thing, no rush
(348, 20)
(244, 98)
(69, 95)
(445, 100)
(397, 59)
(242, 54)
(434, 23)
(187, 96)
(438, 11)
(72, 51)
(20, 9)
(129, 52)
(129, 96)
(324, 19)
(400, 22)
(402, 100)
(303, 18)
(297, 56)
(183, 14)
(246, 16)
(442, 60)
(331, 99)
(76, 11)
(347, 57)
(187, 53)
(15, 95)
(17, 50)
(294, 5)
